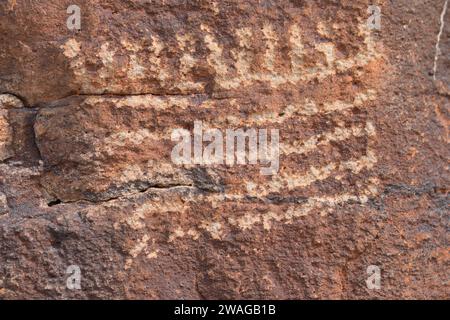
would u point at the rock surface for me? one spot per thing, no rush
(87, 177)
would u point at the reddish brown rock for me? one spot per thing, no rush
(5, 136)
(87, 176)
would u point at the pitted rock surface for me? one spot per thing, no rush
(87, 178)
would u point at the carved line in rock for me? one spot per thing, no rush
(307, 108)
(136, 137)
(292, 181)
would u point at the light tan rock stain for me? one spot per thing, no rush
(228, 74)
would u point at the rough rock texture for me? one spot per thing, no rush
(86, 176)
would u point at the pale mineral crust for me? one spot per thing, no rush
(87, 178)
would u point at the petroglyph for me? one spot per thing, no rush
(256, 56)
(301, 111)
(325, 204)
(230, 70)
(136, 250)
(220, 228)
(339, 134)
(88, 178)
(259, 193)
(133, 150)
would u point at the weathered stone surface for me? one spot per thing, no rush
(8, 101)
(6, 133)
(179, 47)
(5, 136)
(87, 177)
(4, 209)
